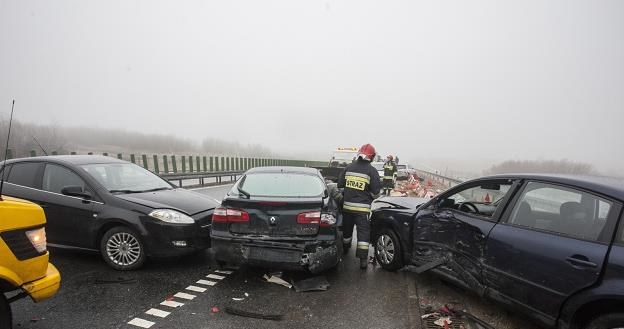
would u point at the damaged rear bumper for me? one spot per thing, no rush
(313, 255)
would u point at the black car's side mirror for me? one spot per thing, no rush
(325, 194)
(76, 191)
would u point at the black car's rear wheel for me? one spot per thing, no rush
(607, 321)
(5, 312)
(388, 250)
(122, 249)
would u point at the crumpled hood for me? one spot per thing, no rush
(179, 199)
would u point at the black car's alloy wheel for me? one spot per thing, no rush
(5, 312)
(388, 250)
(122, 249)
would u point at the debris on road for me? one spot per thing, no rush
(215, 309)
(119, 280)
(255, 315)
(277, 280)
(238, 299)
(317, 283)
(443, 322)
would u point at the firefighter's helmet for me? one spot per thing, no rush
(367, 152)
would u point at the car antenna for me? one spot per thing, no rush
(6, 150)
(41, 147)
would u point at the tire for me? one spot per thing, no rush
(388, 251)
(122, 249)
(5, 313)
(607, 321)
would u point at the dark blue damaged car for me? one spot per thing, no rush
(548, 246)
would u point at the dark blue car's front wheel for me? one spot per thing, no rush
(607, 321)
(388, 250)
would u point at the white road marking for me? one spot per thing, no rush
(206, 282)
(185, 296)
(157, 312)
(171, 303)
(141, 323)
(224, 272)
(214, 276)
(196, 289)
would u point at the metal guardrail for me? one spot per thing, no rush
(200, 177)
(447, 181)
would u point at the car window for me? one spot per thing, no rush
(561, 210)
(24, 174)
(55, 178)
(4, 174)
(482, 200)
(280, 185)
(125, 177)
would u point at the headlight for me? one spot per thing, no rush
(171, 216)
(38, 239)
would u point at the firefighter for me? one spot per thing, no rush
(361, 184)
(390, 171)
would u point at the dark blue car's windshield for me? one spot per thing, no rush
(280, 185)
(125, 177)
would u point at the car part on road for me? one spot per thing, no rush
(122, 249)
(317, 283)
(277, 280)
(388, 250)
(255, 315)
(426, 267)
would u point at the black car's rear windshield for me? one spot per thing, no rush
(280, 184)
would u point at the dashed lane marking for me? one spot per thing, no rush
(138, 322)
(196, 289)
(185, 296)
(172, 303)
(206, 282)
(157, 312)
(214, 276)
(224, 272)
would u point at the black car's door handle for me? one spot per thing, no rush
(444, 215)
(581, 261)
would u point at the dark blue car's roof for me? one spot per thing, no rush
(609, 186)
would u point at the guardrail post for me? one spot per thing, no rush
(190, 163)
(227, 163)
(198, 163)
(90, 153)
(211, 164)
(205, 164)
(119, 156)
(222, 164)
(33, 153)
(105, 154)
(174, 164)
(156, 169)
(183, 163)
(132, 158)
(165, 164)
(72, 153)
(54, 153)
(145, 164)
(232, 164)
(9, 154)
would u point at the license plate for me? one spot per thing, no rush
(275, 255)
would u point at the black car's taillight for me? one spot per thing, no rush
(224, 215)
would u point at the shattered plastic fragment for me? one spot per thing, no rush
(238, 299)
(318, 283)
(215, 309)
(274, 279)
(441, 321)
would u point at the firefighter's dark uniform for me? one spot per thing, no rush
(361, 184)
(390, 169)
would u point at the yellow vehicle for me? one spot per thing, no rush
(24, 266)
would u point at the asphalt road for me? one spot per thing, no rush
(90, 297)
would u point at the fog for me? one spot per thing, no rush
(444, 84)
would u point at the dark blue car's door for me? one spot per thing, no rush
(550, 244)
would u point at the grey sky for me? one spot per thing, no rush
(435, 80)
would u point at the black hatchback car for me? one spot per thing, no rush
(125, 212)
(278, 217)
(551, 247)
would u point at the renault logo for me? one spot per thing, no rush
(272, 220)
